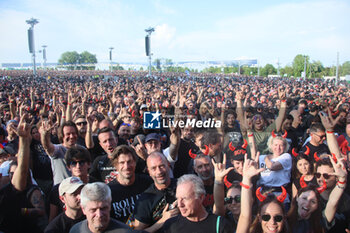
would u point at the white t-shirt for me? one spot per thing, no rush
(276, 178)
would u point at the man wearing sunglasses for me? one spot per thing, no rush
(316, 143)
(78, 162)
(81, 124)
(325, 173)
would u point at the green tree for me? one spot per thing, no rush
(87, 58)
(117, 67)
(69, 58)
(73, 58)
(298, 65)
(345, 68)
(316, 68)
(267, 70)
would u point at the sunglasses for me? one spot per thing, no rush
(276, 218)
(320, 136)
(229, 200)
(81, 123)
(325, 175)
(125, 124)
(74, 163)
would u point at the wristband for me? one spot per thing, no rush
(283, 101)
(250, 135)
(244, 185)
(69, 104)
(344, 182)
(330, 131)
(340, 187)
(63, 117)
(218, 182)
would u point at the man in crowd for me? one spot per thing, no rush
(190, 194)
(204, 169)
(316, 143)
(95, 199)
(156, 204)
(81, 124)
(212, 142)
(102, 167)
(69, 132)
(69, 193)
(78, 161)
(127, 186)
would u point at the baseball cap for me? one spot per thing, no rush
(143, 106)
(152, 136)
(70, 185)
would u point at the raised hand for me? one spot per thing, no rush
(220, 169)
(339, 168)
(251, 167)
(23, 129)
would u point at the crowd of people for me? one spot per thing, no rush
(76, 154)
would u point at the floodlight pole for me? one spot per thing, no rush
(32, 22)
(44, 55)
(110, 58)
(149, 31)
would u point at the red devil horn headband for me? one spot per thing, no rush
(192, 155)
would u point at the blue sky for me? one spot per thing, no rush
(266, 30)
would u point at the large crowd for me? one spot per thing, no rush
(77, 154)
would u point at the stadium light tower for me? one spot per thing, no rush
(148, 48)
(44, 55)
(110, 58)
(32, 22)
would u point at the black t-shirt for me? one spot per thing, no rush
(97, 150)
(150, 205)
(11, 203)
(321, 149)
(10, 209)
(182, 165)
(125, 197)
(62, 224)
(101, 169)
(209, 197)
(41, 162)
(296, 182)
(210, 224)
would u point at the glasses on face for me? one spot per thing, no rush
(229, 200)
(74, 163)
(320, 136)
(125, 124)
(325, 175)
(276, 218)
(81, 123)
(257, 118)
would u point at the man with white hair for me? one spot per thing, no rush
(95, 199)
(190, 194)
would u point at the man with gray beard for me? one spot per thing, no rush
(204, 170)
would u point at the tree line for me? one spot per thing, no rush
(314, 69)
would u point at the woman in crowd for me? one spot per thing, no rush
(277, 166)
(302, 173)
(305, 214)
